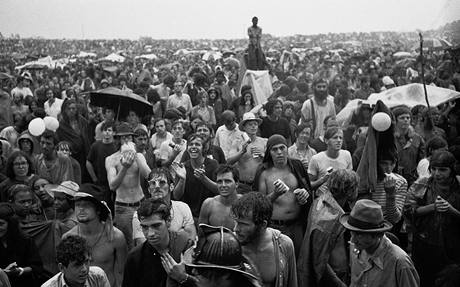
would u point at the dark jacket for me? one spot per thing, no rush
(143, 266)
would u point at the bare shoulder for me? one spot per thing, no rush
(265, 173)
(118, 236)
(111, 159)
(208, 201)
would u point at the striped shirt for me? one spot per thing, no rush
(392, 208)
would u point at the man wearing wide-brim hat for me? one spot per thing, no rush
(107, 243)
(251, 154)
(375, 260)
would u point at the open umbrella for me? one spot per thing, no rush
(402, 55)
(434, 44)
(121, 102)
(147, 57)
(409, 95)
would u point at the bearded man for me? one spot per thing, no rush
(316, 109)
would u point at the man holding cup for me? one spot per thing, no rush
(249, 158)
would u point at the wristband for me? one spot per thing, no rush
(21, 270)
(185, 279)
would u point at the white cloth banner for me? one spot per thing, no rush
(260, 83)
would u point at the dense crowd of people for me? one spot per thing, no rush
(211, 188)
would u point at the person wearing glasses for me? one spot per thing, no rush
(19, 170)
(160, 186)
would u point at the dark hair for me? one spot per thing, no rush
(150, 207)
(204, 124)
(327, 118)
(139, 132)
(444, 159)
(72, 248)
(255, 204)
(14, 235)
(235, 278)
(159, 120)
(176, 122)
(300, 128)
(161, 170)
(330, 132)
(225, 168)
(17, 188)
(47, 134)
(108, 124)
(270, 105)
(65, 105)
(433, 144)
(319, 80)
(10, 162)
(153, 96)
(169, 80)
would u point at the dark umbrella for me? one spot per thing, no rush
(121, 102)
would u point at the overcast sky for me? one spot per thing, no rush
(217, 19)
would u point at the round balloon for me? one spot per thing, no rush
(36, 127)
(51, 123)
(381, 121)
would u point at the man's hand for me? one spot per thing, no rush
(174, 270)
(128, 158)
(176, 149)
(280, 188)
(244, 148)
(441, 205)
(199, 173)
(304, 163)
(389, 184)
(302, 195)
(179, 169)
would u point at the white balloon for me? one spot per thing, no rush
(36, 127)
(51, 123)
(381, 121)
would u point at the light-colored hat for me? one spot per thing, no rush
(366, 216)
(68, 187)
(246, 118)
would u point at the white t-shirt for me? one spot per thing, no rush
(320, 162)
(231, 142)
(24, 91)
(181, 217)
(55, 109)
(321, 112)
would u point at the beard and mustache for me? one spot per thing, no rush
(321, 94)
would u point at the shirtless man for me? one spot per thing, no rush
(107, 243)
(285, 182)
(249, 158)
(124, 169)
(269, 250)
(215, 210)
